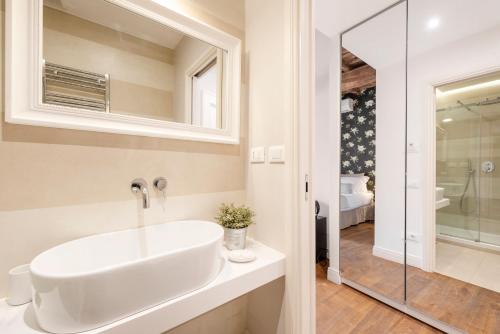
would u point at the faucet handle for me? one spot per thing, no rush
(138, 184)
(160, 183)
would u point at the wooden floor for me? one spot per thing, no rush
(341, 309)
(358, 264)
(462, 305)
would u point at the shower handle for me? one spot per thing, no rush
(488, 167)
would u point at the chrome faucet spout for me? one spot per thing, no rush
(140, 186)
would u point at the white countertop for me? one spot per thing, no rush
(235, 279)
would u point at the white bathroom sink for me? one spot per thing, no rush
(90, 282)
(441, 202)
(439, 193)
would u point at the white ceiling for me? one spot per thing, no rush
(335, 16)
(381, 41)
(116, 18)
(458, 19)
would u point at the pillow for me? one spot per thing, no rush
(357, 182)
(346, 188)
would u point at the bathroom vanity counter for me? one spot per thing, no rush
(235, 279)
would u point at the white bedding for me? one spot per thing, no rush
(352, 201)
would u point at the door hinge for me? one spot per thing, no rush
(307, 187)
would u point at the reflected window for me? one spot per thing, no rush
(204, 96)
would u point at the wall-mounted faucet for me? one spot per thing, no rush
(140, 186)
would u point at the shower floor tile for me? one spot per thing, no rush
(478, 267)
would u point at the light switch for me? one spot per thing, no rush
(277, 154)
(257, 155)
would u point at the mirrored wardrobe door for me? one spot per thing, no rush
(372, 191)
(453, 213)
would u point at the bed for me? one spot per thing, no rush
(356, 202)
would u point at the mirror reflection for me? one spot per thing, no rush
(102, 58)
(454, 85)
(372, 182)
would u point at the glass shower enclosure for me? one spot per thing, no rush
(467, 145)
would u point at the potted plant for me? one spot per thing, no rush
(235, 221)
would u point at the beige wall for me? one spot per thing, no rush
(61, 184)
(267, 66)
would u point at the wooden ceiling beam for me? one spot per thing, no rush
(356, 74)
(358, 79)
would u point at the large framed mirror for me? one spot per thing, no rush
(123, 66)
(372, 136)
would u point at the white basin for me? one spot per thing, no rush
(90, 282)
(439, 193)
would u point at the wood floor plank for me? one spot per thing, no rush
(343, 310)
(465, 306)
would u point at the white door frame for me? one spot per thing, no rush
(301, 275)
(429, 181)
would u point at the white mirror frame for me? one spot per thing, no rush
(23, 77)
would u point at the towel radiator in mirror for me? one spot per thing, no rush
(70, 87)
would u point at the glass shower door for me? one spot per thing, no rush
(458, 156)
(466, 175)
(488, 175)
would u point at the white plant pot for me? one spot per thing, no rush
(235, 238)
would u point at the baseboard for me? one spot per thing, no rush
(333, 275)
(394, 256)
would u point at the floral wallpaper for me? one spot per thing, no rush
(358, 136)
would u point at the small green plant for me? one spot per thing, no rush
(234, 217)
